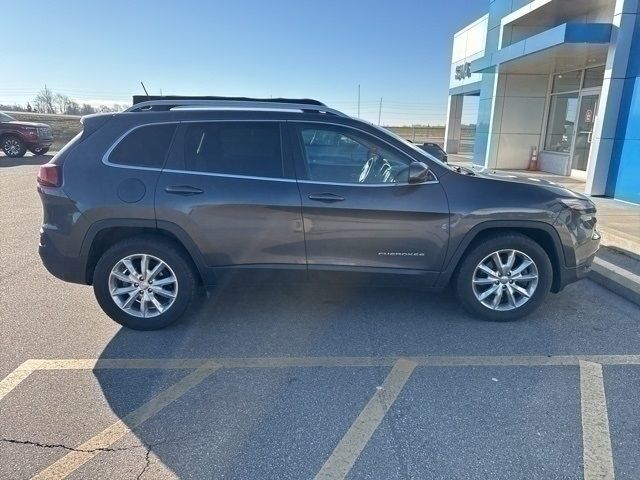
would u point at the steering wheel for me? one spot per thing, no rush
(367, 168)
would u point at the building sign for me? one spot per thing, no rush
(463, 71)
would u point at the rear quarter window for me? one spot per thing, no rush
(145, 146)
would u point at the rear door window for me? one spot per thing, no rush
(146, 146)
(233, 148)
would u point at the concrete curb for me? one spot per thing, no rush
(628, 244)
(617, 279)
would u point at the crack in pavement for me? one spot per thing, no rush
(147, 463)
(66, 447)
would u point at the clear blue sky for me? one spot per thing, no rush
(99, 50)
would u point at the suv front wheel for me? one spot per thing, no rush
(504, 277)
(13, 147)
(144, 283)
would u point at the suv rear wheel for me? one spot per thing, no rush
(39, 150)
(144, 283)
(505, 277)
(13, 147)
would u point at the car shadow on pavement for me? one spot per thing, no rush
(255, 422)
(215, 429)
(26, 160)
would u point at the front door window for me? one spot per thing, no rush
(584, 132)
(339, 155)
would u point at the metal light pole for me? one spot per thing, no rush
(358, 100)
(380, 111)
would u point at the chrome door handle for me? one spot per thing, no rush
(183, 190)
(325, 197)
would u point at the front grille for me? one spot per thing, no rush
(44, 132)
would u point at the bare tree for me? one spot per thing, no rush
(73, 108)
(87, 109)
(61, 103)
(44, 101)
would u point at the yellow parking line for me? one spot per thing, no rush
(122, 363)
(92, 447)
(598, 460)
(12, 380)
(286, 362)
(349, 448)
(596, 440)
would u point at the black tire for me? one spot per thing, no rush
(13, 147)
(167, 251)
(39, 150)
(463, 279)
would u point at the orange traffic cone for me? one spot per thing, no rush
(533, 160)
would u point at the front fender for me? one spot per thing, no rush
(456, 252)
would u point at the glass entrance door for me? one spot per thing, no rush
(583, 134)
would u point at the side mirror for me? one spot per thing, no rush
(418, 172)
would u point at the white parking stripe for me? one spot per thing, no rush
(103, 440)
(596, 441)
(348, 450)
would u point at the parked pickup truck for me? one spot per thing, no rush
(17, 137)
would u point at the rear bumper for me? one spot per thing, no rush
(69, 269)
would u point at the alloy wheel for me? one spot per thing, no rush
(505, 280)
(143, 285)
(11, 147)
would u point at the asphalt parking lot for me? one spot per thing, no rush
(307, 381)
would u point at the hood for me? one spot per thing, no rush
(523, 178)
(26, 124)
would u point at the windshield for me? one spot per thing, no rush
(6, 118)
(414, 147)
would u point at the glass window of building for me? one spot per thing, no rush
(567, 82)
(593, 77)
(562, 118)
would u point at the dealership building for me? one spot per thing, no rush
(560, 76)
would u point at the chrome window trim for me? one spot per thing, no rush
(229, 175)
(390, 184)
(106, 161)
(105, 157)
(321, 122)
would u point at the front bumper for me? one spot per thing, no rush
(568, 275)
(41, 143)
(582, 253)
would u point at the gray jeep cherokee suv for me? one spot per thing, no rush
(147, 204)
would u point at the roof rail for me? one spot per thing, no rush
(146, 98)
(203, 103)
(166, 105)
